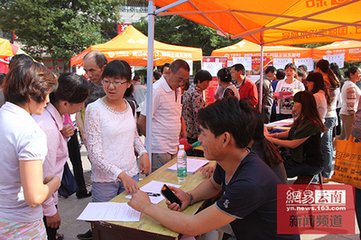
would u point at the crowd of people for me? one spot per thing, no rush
(111, 113)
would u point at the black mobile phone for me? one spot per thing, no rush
(169, 194)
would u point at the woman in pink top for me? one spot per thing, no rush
(68, 98)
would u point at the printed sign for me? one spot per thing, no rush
(316, 209)
(246, 61)
(308, 62)
(336, 58)
(212, 67)
(281, 62)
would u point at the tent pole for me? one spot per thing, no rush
(174, 4)
(148, 139)
(261, 82)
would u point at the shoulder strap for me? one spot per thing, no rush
(132, 105)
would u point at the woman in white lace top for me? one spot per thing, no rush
(112, 137)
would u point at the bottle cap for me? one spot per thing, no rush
(181, 146)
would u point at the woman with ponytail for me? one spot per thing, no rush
(332, 85)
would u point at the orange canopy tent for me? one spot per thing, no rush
(132, 45)
(351, 50)
(264, 22)
(247, 48)
(275, 22)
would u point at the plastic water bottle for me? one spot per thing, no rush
(181, 164)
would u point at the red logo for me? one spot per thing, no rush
(315, 209)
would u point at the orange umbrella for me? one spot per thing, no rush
(6, 49)
(276, 22)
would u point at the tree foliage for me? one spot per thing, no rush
(59, 28)
(181, 31)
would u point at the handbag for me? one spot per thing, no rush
(68, 184)
(348, 163)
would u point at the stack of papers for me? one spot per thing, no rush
(109, 211)
(193, 165)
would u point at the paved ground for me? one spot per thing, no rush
(71, 208)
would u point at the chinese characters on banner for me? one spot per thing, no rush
(281, 62)
(246, 61)
(315, 209)
(336, 58)
(308, 62)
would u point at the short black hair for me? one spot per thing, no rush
(201, 76)
(239, 67)
(229, 115)
(224, 75)
(270, 69)
(71, 88)
(292, 66)
(157, 75)
(303, 67)
(280, 74)
(119, 69)
(178, 64)
(164, 66)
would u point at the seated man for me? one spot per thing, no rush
(246, 184)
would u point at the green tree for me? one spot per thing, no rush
(181, 31)
(59, 28)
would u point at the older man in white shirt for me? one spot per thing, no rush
(166, 114)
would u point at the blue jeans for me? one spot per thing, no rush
(105, 191)
(327, 147)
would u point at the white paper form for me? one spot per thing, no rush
(154, 188)
(193, 165)
(109, 211)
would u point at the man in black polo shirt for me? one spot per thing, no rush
(247, 186)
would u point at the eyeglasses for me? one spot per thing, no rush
(115, 83)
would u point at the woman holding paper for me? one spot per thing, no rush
(284, 92)
(112, 138)
(110, 129)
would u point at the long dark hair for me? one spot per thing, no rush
(308, 111)
(319, 84)
(324, 66)
(272, 156)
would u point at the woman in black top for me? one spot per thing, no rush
(303, 140)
